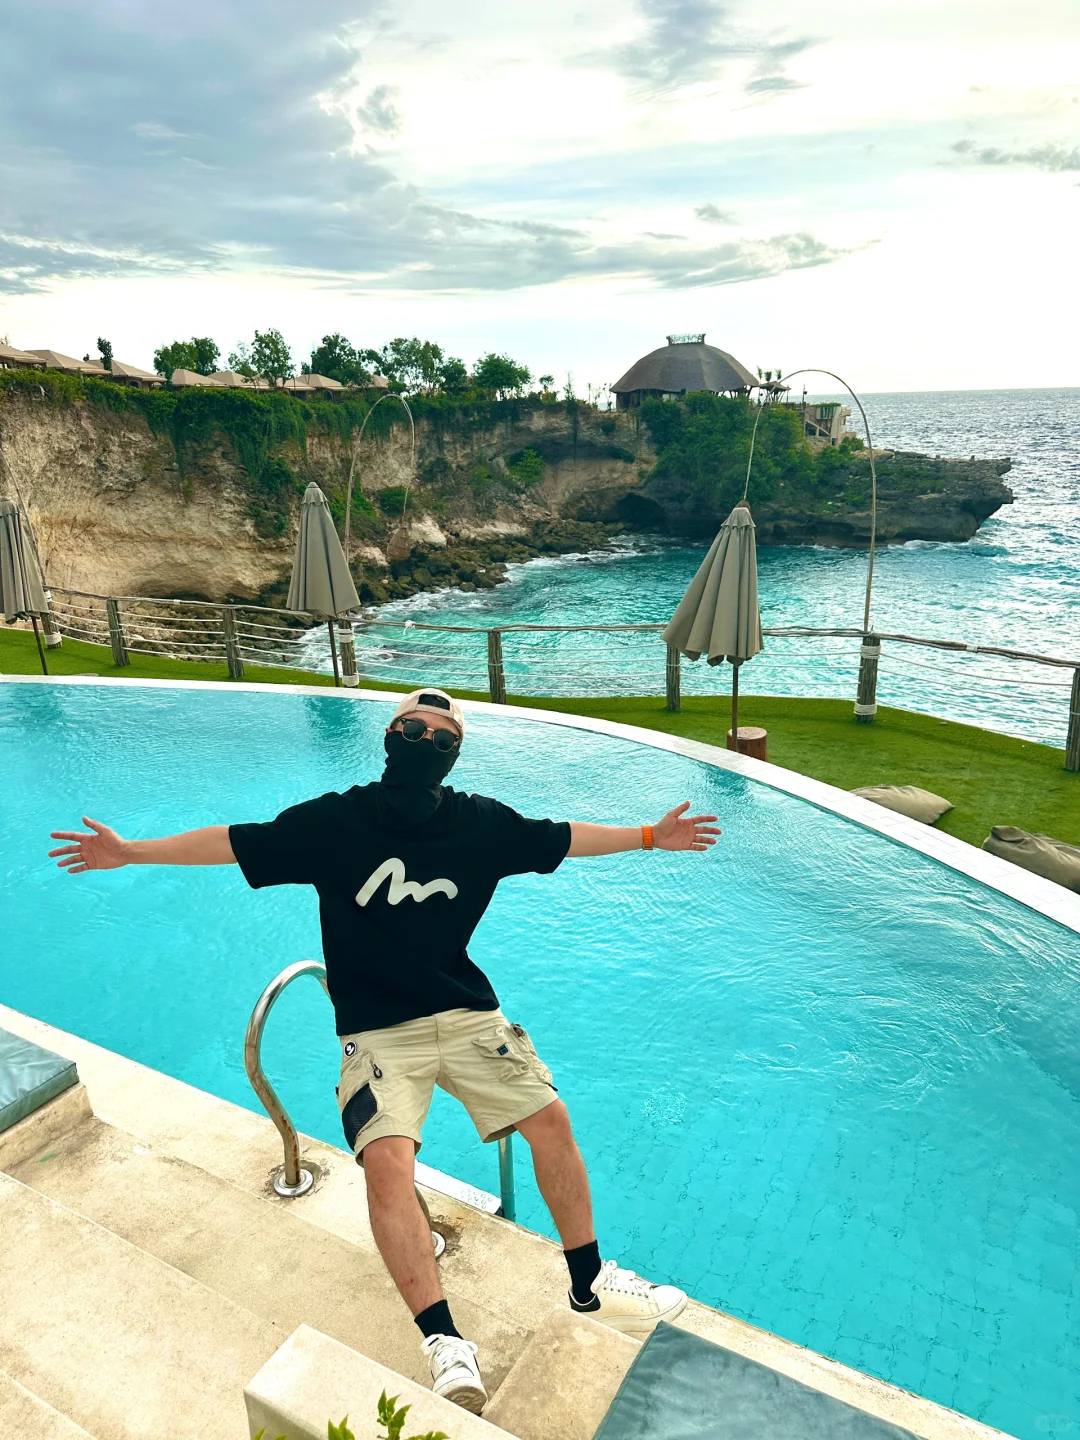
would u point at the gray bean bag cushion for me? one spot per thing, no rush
(907, 800)
(1052, 859)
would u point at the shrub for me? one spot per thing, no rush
(393, 499)
(525, 470)
(480, 480)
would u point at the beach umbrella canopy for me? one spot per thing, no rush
(718, 617)
(22, 588)
(22, 585)
(321, 583)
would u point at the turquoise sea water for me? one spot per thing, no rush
(1017, 584)
(823, 1082)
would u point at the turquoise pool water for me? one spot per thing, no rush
(823, 1082)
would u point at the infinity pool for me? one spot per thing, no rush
(823, 1082)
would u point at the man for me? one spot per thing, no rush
(405, 868)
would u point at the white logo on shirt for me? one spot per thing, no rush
(400, 888)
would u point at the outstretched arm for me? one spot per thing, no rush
(676, 831)
(103, 849)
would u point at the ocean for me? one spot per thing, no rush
(1016, 584)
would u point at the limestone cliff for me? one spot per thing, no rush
(199, 495)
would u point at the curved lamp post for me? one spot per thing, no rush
(870, 653)
(345, 631)
(356, 451)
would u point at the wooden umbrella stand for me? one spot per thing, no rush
(751, 739)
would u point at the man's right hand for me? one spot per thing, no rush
(102, 849)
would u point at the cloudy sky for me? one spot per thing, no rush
(889, 189)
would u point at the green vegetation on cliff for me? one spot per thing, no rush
(705, 441)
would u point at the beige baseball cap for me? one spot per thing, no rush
(430, 702)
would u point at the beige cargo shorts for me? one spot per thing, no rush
(388, 1076)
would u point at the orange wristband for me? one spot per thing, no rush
(646, 837)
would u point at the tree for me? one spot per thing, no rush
(409, 365)
(267, 355)
(240, 360)
(105, 351)
(336, 358)
(453, 377)
(199, 354)
(499, 376)
(271, 356)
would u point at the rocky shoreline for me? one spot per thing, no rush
(122, 507)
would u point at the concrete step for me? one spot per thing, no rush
(252, 1249)
(563, 1382)
(24, 1416)
(312, 1375)
(115, 1339)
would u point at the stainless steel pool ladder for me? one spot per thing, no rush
(293, 1180)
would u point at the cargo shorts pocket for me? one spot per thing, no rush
(361, 1076)
(514, 1054)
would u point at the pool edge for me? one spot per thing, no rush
(1043, 896)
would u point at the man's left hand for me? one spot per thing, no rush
(679, 831)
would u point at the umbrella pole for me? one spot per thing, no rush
(735, 704)
(333, 650)
(40, 651)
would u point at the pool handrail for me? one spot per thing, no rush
(293, 1180)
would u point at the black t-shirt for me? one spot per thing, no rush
(398, 906)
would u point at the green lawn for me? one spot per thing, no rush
(991, 779)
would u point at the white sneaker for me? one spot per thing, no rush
(631, 1304)
(455, 1374)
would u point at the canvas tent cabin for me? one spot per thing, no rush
(132, 375)
(231, 379)
(314, 385)
(14, 359)
(55, 361)
(682, 366)
(185, 379)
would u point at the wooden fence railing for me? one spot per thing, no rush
(474, 657)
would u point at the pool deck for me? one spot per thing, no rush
(149, 1272)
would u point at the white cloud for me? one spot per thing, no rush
(361, 164)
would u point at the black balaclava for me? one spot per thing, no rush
(411, 785)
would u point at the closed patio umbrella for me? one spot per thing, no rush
(321, 583)
(718, 617)
(22, 586)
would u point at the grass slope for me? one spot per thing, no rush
(991, 779)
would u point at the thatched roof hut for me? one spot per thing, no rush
(683, 365)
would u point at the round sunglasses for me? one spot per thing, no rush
(443, 740)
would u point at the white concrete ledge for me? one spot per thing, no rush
(43, 1126)
(1031, 890)
(312, 1379)
(562, 1384)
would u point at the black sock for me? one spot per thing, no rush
(584, 1265)
(436, 1320)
